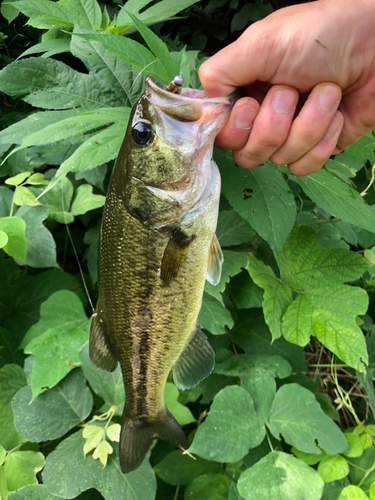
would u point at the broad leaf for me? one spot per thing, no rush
(84, 200)
(12, 378)
(361, 469)
(277, 295)
(68, 479)
(262, 197)
(41, 247)
(212, 486)
(32, 491)
(21, 467)
(59, 345)
(231, 428)
(177, 468)
(180, 412)
(297, 416)
(333, 468)
(232, 265)
(54, 412)
(337, 198)
(108, 385)
(15, 245)
(280, 477)
(233, 229)
(243, 292)
(352, 493)
(213, 316)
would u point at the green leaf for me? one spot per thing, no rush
(4, 239)
(262, 197)
(337, 198)
(355, 446)
(365, 379)
(87, 13)
(361, 468)
(155, 44)
(32, 492)
(21, 467)
(233, 229)
(232, 265)
(84, 200)
(47, 13)
(16, 245)
(49, 47)
(307, 458)
(280, 477)
(297, 416)
(257, 374)
(53, 413)
(20, 297)
(163, 10)
(177, 468)
(212, 486)
(12, 378)
(59, 345)
(305, 265)
(243, 292)
(23, 196)
(108, 385)
(68, 479)
(352, 492)
(51, 84)
(17, 179)
(277, 295)
(180, 412)
(213, 316)
(58, 200)
(333, 468)
(251, 334)
(332, 490)
(231, 428)
(41, 247)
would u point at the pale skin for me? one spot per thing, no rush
(309, 75)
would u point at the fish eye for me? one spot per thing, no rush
(142, 133)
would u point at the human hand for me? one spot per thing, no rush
(316, 58)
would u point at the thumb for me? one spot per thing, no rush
(239, 64)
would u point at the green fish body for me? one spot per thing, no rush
(157, 247)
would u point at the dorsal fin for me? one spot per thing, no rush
(215, 262)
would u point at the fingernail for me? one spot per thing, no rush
(284, 102)
(333, 128)
(244, 117)
(328, 98)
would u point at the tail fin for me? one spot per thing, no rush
(137, 437)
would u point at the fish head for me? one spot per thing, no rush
(167, 150)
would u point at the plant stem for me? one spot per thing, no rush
(176, 493)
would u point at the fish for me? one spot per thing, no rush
(157, 247)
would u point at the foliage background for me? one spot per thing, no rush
(288, 411)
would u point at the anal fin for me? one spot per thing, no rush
(215, 262)
(195, 363)
(174, 255)
(99, 346)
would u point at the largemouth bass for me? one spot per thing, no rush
(157, 247)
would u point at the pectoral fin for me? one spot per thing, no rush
(99, 346)
(195, 363)
(215, 262)
(174, 256)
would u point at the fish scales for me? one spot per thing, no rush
(157, 240)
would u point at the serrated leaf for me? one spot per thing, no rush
(49, 47)
(277, 295)
(16, 245)
(280, 477)
(51, 84)
(84, 200)
(180, 412)
(12, 378)
(261, 198)
(32, 491)
(48, 13)
(108, 385)
(232, 229)
(212, 486)
(213, 316)
(337, 198)
(41, 247)
(232, 265)
(243, 292)
(177, 468)
(161, 11)
(54, 412)
(305, 265)
(58, 346)
(231, 428)
(297, 416)
(155, 44)
(333, 468)
(68, 479)
(21, 467)
(86, 13)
